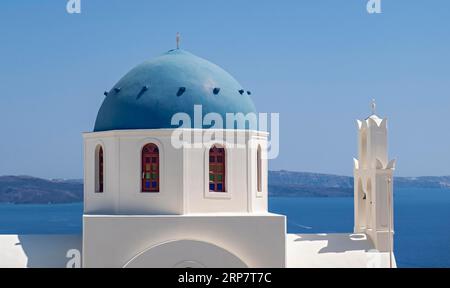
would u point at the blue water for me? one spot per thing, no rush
(41, 219)
(422, 221)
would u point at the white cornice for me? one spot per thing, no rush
(167, 132)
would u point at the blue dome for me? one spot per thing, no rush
(151, 93)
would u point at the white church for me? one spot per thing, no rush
(150, 203)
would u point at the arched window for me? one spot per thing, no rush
(259, 169)
(99, 169)
(150, 168)
(217, 169)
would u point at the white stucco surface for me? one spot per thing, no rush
(303, 251)
(37, 251)
(373, 183)
(334, 251)
(184, 173)
(258, 240)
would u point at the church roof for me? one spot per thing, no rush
(151, 93)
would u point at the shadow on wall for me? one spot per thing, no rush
(339, 243)
(49, 251)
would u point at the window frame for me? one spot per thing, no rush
(99, 169)
(144, 171)
(258, 143)
(214, 153)
(228, 185)
(259, 168)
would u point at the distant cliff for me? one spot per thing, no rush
(302, 184)
(31, 190)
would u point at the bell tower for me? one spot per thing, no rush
(373, 186)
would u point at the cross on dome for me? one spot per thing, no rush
(178, 37)
(373, 106)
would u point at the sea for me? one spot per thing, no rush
(422, 221)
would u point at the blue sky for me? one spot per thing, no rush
(316, 62)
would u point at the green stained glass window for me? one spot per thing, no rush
(217, 169)
(150, 168)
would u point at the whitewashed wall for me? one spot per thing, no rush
(183, 175)
(371, 173)
(114, 241)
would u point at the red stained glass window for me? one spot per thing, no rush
(100, 170)
(217, 169)
(150, 168)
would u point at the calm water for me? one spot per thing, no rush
(422, 220)
(41, 219)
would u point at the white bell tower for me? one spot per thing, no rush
(373, 186)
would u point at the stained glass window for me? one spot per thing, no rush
(150, 172)
(100, 170)
(217, 169)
